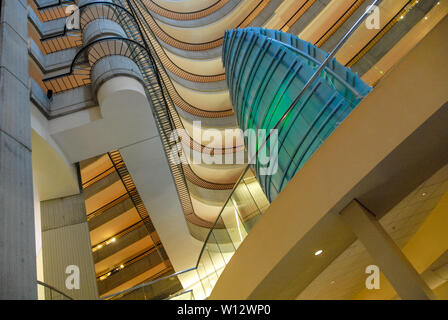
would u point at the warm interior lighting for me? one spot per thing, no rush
(318, 252)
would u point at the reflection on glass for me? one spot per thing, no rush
(243, 208)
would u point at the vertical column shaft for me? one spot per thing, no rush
(17, 239)
(387, 255)
(66, 244)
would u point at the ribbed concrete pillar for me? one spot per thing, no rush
(66, 242)
(387, 255)
(17, 241)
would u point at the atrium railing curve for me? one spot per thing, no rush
(167, 119)
(338, 23)
(163, 36)
(85, 59)
(79, 72)
(214, 254)
(79, 75)
(83, 63)
(161, 56)
(172, 103)
(125, 177)
(167, 13)
(167, 62)
(70, 81)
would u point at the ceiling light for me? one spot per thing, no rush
(113, 239)
(318, 252)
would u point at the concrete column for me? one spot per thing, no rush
(66, 242)
(17, 241)
(387, 255)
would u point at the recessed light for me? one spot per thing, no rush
(318, 252)
(424, 194)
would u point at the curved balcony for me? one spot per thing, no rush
(265, 71)
(216, 9)
(107, 54)
(165, 37)
(189, 7)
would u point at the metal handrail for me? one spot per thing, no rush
(161, 56)
(148, 283)
(307, 85)
(318, 71)
(206, 44)
(327, 69)
(200, 254)
(54, 289)
(122, 171)
(183, 16)
(173, 67)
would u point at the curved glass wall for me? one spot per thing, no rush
(265, 72)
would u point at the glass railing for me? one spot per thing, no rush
(414, 12)
(247, 201)
(239, 214)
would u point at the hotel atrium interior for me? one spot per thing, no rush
(223, 149)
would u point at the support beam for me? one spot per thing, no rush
(17, 241)
(392, 262)
(66, 242)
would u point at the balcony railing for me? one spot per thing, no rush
(244, 206)
(164, 12)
